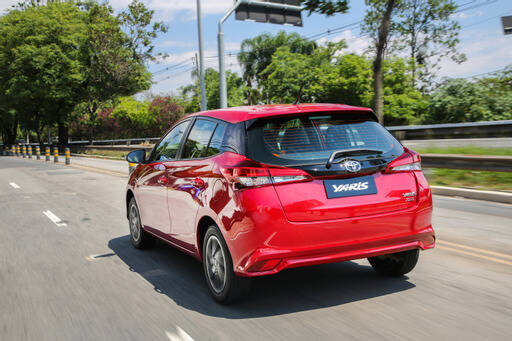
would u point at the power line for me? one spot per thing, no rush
(462, 8)
(175, 66)
(173, 75)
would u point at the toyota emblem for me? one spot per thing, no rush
(352, 166)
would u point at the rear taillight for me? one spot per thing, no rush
(260, 175)
(409, 161)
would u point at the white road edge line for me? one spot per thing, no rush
(13, 184)
(180, 335)
(56, 220)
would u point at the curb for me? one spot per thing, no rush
(494, 196)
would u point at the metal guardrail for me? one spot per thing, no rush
(419, 132)
(116, 142)
(468, 162)
(453, 130)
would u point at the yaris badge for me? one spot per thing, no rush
(352, 166)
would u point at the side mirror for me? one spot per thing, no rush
(137, 156)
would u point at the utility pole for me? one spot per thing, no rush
(201, 56)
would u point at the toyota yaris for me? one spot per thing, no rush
(251, 191)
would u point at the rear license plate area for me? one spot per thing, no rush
(340, 188)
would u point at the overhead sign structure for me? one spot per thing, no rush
(261, 11)
(507, 24)
(284, 12)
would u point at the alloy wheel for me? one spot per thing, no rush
(215, 264)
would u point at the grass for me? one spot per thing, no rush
(501, 181)
(109, 153)
(467, 178)
(466, 151)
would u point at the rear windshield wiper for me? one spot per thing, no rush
(350, 151)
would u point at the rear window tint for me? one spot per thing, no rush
(312, 139)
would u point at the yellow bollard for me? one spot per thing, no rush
(68, 156)
(55, 154)
(24, 151)
(18, 151)
(38, 153)
(29, 152)
(47, 154)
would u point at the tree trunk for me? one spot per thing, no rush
(63, 134)
(378, 99)
(9, 132)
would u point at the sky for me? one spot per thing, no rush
(482, 39)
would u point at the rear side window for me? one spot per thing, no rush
(312, 139)
(204, 140)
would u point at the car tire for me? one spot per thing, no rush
(139, 237)
(224, 285)
(395, 264)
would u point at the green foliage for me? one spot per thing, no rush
(347, 80)
(235, 87)
(470, 179)
(462, 100)
(41, 75)
(114, 66)
(256, 55)
(57, 57)
(470, 150)
(430, 32)
(288, 71)
(141, 31)
(327, 7)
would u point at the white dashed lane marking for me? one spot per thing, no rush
(56, 220)
(180, 335)
(14, 185)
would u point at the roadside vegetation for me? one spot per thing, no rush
(74, 67)
(501, 181)
(466, 151)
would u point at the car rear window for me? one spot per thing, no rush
(312, 139)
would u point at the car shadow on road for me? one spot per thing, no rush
(180, 277)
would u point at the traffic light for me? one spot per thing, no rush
(281, 12)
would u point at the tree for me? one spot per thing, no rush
(377, 23)
(165, 111)
(116, 60)
(290, 71)
(329, 77)
(327, 7)
(431, 33)
(137, 22)
(235, 86)
(462, 100)
(256, 54)
(41, 74)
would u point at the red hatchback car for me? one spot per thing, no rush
(251, 191)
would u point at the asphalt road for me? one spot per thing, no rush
(52, 287)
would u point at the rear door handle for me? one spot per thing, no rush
(162, 180)
(199, 183)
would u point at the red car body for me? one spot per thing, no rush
(277, 226)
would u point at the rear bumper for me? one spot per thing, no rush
(280, 259)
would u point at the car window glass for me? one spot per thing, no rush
(168, 148)
(310, 139)
(216, 141)
(198, 139)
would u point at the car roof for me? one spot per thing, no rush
(246, 113)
